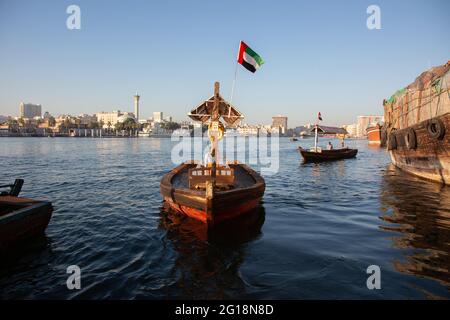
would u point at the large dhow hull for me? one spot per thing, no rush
(219, 206)
(419, 151)
(417, 126)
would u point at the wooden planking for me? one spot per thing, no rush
(223, 205)
(431, 158)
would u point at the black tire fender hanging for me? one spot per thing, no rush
(392, 142)
(410, 139)
(436, 128)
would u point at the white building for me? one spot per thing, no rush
(364, 121)
(87, 119)
(157, 116)
(352, 129)
(109, 119)
(281, 122)
(247, 130)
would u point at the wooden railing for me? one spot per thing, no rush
(199, 176)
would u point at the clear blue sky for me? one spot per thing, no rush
(319, 55)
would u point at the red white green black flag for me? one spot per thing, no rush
(248, 58)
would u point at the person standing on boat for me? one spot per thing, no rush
(208, 159)
(330, 146)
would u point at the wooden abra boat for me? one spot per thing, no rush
(213, 192)
(317, 154)
(314, 155)
(21, 218)
(238, 189)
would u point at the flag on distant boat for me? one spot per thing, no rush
(249, 59)
(319, 116)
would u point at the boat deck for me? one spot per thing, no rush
(243, 179)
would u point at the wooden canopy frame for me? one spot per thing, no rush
(228, 112)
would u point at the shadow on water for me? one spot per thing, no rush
(208, 259)
(28, 258)
(27, 250)
(419, 211)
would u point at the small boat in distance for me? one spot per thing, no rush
(317, 154)
(294, 139)
(183, 131)
(212, 192)
(305, 134)
(21, 218)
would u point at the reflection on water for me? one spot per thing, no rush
(24, 256)
(230, 233)
(420, 212)
(209, 259)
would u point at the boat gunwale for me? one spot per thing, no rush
(166, 182)
(24, 211)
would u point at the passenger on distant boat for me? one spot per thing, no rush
(330, 146)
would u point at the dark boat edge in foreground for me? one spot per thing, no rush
(21, 218)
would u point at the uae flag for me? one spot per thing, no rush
(319, 116)
(249, 58)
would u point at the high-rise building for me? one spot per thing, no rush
(281, 122)
(29, 110)
(157, 116)
(136, 106)
(363, 123)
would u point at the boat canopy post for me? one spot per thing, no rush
(214, 134)
(315, 139)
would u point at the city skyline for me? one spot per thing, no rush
(172, 59)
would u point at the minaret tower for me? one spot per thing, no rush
(136, 106)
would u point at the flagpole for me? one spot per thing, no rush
(234, 82)
(232, 88)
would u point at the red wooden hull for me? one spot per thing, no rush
(21, 219)
(221, 215)
(374, 135)
(223, 206)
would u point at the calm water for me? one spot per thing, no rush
(319, 229)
